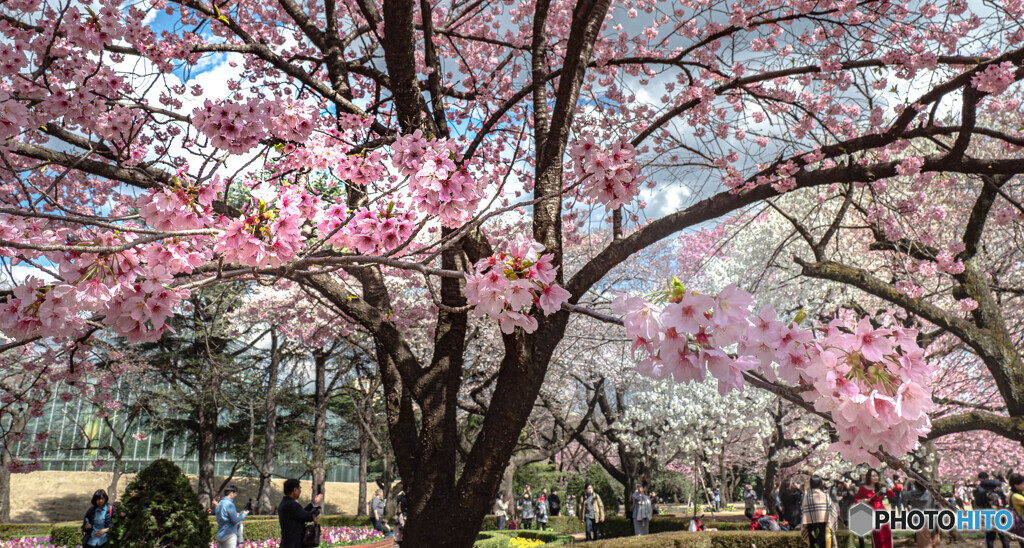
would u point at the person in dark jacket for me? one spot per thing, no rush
(98, 520)
(555, 503)
(293, 517)
(989, 495)
(791, 497)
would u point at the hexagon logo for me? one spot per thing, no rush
(862, 519)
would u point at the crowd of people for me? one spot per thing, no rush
(816, 511)
(534, 512)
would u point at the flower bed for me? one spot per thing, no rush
(331, 537)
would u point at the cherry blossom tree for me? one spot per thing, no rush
(366, 151)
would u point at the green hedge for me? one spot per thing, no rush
(615, 526)
(68, 533)
(717, 539)
(13, 531)
(256, 528)
(501, 539)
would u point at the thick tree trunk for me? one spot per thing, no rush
(364, 451)
(319, 468)
(508, 480)
(207, 447)
(771, 470)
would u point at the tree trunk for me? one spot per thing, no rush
(508, 480)
(5, 491)
(264, 504)
(319, 468)
(364, 450)
(721, 476)
(5, 485)
(771, 470)
(18, 422)
(115, 478)
(207, 446)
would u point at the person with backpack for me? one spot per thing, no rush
(98, 520)
(896, 501)
(760, 520)
(989, 496)
(873, 491)
(555, 503)
(590, 510)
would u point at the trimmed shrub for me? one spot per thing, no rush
(256, 529)
(13, 531)
(491, 539)
(68, 533)
(160, 509)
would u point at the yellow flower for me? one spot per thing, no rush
(518, 542)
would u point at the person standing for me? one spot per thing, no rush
(896, 502)
(816, 511)
(989, 496)
(847, 496)
(591, 509)
(98, 520)
(555, 503)
(873, 491)
(718, 499)
(541, 510)
(377, 510)
(228, 519)
(501, 511)
(654, 504)
(916, 497)
(641, 511)
(293, 517)
(749, 498)
(526, 511)
(961, 495)
(792, 498)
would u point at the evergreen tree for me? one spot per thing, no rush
(160, 510)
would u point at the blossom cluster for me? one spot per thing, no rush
(180, 206)
(505, 286)
(369, 231)
(439, 185)
(611, 176)
(267, 234)
(995, 78)
(872, 381)
(238, 126)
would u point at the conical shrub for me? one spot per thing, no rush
(160, 510)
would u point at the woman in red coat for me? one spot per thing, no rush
(873, 492)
